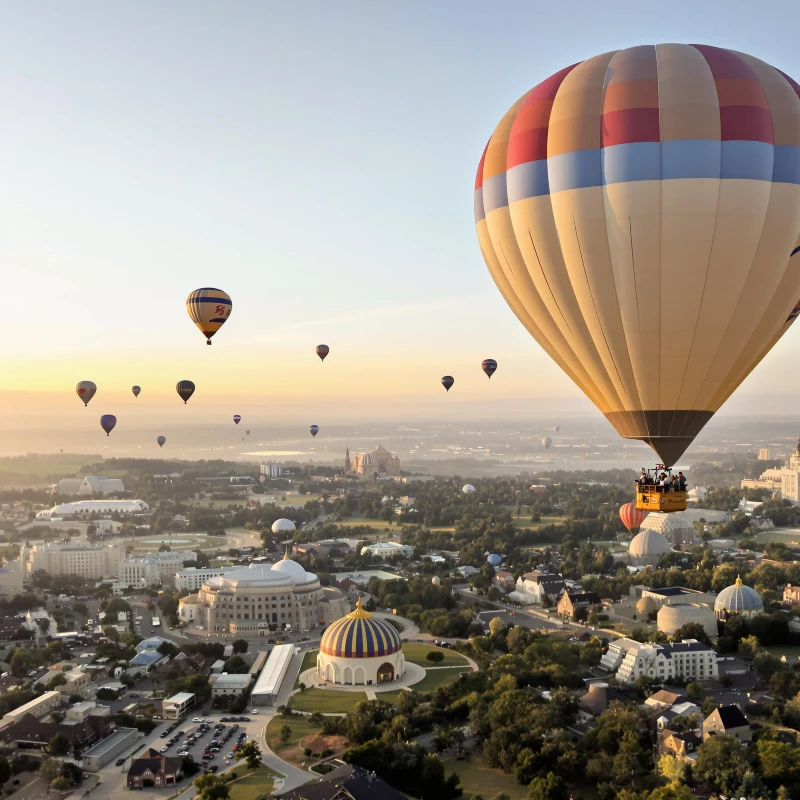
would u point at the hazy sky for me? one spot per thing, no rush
(314, 159)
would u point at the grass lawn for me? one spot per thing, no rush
(254, 785)
(300, 726)
(309, 661)
(784, 650)
(784, 536)
(375, 524)
(390, 697)
(416, 653)
(325, 700)
(477, 777)
(525, 522)
(434, 678)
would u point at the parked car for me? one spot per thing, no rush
(120, 762)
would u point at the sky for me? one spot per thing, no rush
(316, 160)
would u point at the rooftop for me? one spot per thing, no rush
(104, 745)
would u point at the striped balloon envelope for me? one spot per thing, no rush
(209, 309)
(632, 517)
(640, 213)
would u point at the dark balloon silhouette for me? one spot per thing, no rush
(322, 351)
(136, 390)
(489, 366)
(314, 429)
(448, 381)
(161, 440)
(108, 422)
(185, 389)
(236, 419)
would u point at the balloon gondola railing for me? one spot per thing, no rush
(654, 498)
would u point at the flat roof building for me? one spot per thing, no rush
(229, 683)
(178, 705)
(93, 561)
(83, 508)
(265, 692)
(37, 707)
(192, 578)
(102, 753)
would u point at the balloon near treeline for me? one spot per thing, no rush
(489, 366)
(639, 211)
(209, 309)
(322, 351)
(448, 381)
(161, 440)
(185, 390)
(136, 390)
(632, 517)
(86, 390)
(314, 429)
(108, 422)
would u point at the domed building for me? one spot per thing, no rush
(646, 606)
(738, 599)
(647, 547)
(672, 617)
(283, 526)
(678, 531)
(374, 465)
(360, 650)
(468, 488)
(696, 494)
(262, 597)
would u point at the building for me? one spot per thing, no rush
(153, 770)
(790, 477)
(146, 661)
(106, 750)
(189, 608)
(696, 494)
(89, 486)
(259, 598)
(38, 707)
(152, 644)
(360, 650)
(40, 623)
(93, 561)
(77, 683)
(688, 660)
(503, 580)
(663, 699)
(376, 464)
(764, 454)
(771, 479)
(29, 733)
(791, 595)
(387, 549)
(727, 721)
(79, 712)
(738, 599)
(271, 469)
(575, 604)
(268, 685)
(229, 685)
(179, 705)
(537, 586)
(11, 580)
(153, 569)
(345, 783)
(674, 595)
(677, 530)
(686, 710)
(85, 508)
(192, 578)
(671, 618)
(681, 744)
(647, 547)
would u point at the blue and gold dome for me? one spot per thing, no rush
(360, 635)
(739, 599)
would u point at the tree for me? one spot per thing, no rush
(672, 768)
(674, 790)
(240, 645)
(22, 662)
(695, 691)
(691, 630)
(236, 665)
(496, 626)
(80, 608)
(250, 753)
(551, 787)
(780, 763)
(58, 745)
(285, 733)
(211, 787)
(721, 764)
(49, 771)
(435, 656)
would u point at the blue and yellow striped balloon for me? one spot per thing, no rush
(209, 309)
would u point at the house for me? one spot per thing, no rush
(688, 660)
(791, 595)
(146, 661)
(181, 666)
(230, 684)
(681, 744)
(663, 699)
(727, 721)
(503, 580)
(665, 719)
(537, 586)
(575, 604)
(152, 769)
(348, 782)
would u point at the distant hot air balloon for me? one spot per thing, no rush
(136, 390)
(489, 366)
(448, 381)
(632, 517)
(547, 441)
(314, 429)
(107, 423)
(236, 419)
(495, 560)
(247, 432)
(161, 440)
(639, 213)
(209, 309)
(185, 389)
(322, 351)
(557, 428)
(86, 391)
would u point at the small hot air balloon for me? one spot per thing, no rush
(489, 366)
(314, 429)
(448, 381)
(547, 441)
(632, 517)
(494, 559)
(209, 309)
(86, 391)
(557, 428)
(236, 419)
(185, 389)
(247, 432)
(161, 440)
(322, 351)
(136, 390)
(107, 423)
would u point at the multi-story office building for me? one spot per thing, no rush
(92, 561)
(89, 486)
(271, 469)
(690, 660)
(192, 578)
(154, 568)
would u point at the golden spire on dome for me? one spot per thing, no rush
(360, 612)
(286, 554)
(738, 580)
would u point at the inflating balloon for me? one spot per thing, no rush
(86, 391)
(448, 381)
(547, 442)
(632, 517)
(314, 429)
(494, 560)
(209, 309)
(185, 389)
(236, 419)
(639, 211)
(107, 423)
(161, 440)
(322, 351)
(136, 390)
(489, 366)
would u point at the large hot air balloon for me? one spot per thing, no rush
(448, 381)
(209, 309)
(161, 440)
(322, 351)
(136, 390)
(236, 419)
(639, 211)
(185, 389)
(632, 517)
(107, 423)
(86, 391)
(489, 366)
(314, 429)
(547, 442)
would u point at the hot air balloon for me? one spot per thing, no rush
(448, 381)
(489, 366)
(547, 442)
(136, 390)
(236, 419)
(86, 391)
(185, 389)
(639, 213)
(209, 309)
(632, 517)
(322, 351)
(314, 429)
(107, 423)
(161, 440)
(557, 428)
(494, 559)
(247, 432)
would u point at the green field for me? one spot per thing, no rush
(32, 466)
(416, 653)
(525, 522)
(309, 661)
(326, 701)
(477, 777)
(434, 678)
(390, 697)
(179, 541)
(300, 726)
(788, 650)
(254, 785)
(784, 536)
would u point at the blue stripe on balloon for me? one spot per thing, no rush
(580, 169)
(640, 161)
(528, 180)
(691, 158)
(222, 300)
(478, 201)
(754, 161)
(495, 194)
(787, 164)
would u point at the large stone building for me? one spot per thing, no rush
(92, 561)
(535, 587)
(11, 576)
(376, 464)
(192, 578)
(89, 486)
(153, 569)
(260, 598)
(790, 478)
(688, 660)
(677, 530)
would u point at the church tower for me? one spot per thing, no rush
(347, 465)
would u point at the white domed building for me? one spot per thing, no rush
(672, 617)
(360, 650)
(678, 531)
(468, 488)
(283, 525)
(259, 598)
(696, 494)
(738, 599)
(647, 547)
